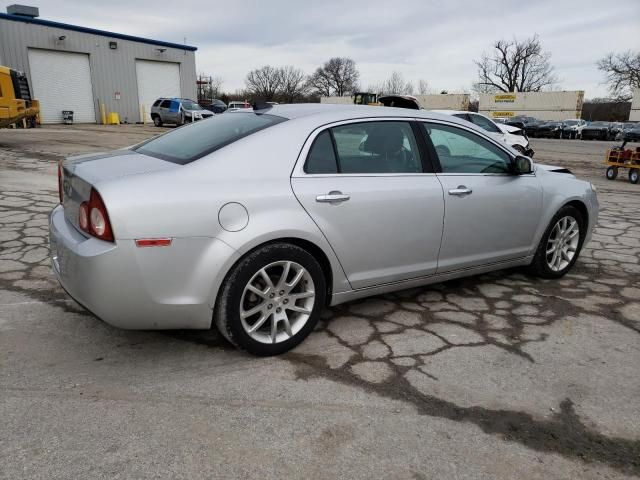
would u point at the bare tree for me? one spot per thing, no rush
(338, 76)
(293, 84)
(423, 87)
(515, 66)
(216, 86)
(397, 85)
(622, 72)
(263, 82)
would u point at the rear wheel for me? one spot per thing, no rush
(633, 175)
(560, 245)
(612, 173)
(271, 300)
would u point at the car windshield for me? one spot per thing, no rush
(600, 124)
(189, 105)
(187, 144)
(571, 122)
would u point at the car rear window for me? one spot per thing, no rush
(187, 144)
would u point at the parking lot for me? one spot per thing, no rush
(497, 376)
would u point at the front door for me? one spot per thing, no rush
(491, 215)
(365, 186)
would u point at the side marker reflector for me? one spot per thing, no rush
(153, 242)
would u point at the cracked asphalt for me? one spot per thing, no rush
(497, 376)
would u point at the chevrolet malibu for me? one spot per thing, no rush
(255, 220)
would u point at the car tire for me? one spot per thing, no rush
(545, 262)
(634, 173)
(612, 173)
(157, 121)
(295, 310)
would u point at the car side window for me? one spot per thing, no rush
(165, 104)
(377, 147)
(322, 157)
(461, 151)
(484, 123)
(156, 103)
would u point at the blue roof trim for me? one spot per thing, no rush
(104, 33)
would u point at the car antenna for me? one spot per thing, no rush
(261, 105)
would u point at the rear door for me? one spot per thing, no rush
(378, 205)
(491, 215)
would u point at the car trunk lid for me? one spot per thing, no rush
(81, 173)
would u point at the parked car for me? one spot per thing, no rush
(615, 130)
(528, 124)
(511, 135)
(549, 130)
(238, 105)
(625, 128)
(218, 106)
(631, 132)
(572, 128)
(178, 111)
(597, 131)
(400, 101)
(255, 221)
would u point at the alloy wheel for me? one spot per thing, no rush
(277, 302)
(562, 244)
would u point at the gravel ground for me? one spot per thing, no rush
(492, 377)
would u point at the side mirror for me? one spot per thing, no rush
(522, 165)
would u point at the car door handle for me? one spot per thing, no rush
(460, 191)
(333, 197)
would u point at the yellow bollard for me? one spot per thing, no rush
(143, 114)
(113, 118)
(103, 115)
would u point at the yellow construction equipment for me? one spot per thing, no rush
(16, 105)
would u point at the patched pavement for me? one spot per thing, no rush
(494, 376)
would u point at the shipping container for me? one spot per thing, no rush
(634, 115)
(445, 101)
(541, 105)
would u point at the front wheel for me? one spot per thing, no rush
(560, 245)
(633, 175)
(612, 173)
(157, 121)
(271, 300)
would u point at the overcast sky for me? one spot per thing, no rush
(422, 39)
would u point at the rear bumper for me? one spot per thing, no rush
(139, 288)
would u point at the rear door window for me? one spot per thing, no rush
(165, 104)
(377, 147)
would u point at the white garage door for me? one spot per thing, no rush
(155, 80)
(62, 81)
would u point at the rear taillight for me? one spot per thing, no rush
(94, 219)
(84, 217)
(60, 191)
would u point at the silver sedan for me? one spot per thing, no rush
(255, 220)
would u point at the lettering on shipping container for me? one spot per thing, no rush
(505, 98)
(503, 114)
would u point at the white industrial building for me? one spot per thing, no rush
(76, 68)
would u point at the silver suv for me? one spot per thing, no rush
(178, 111)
